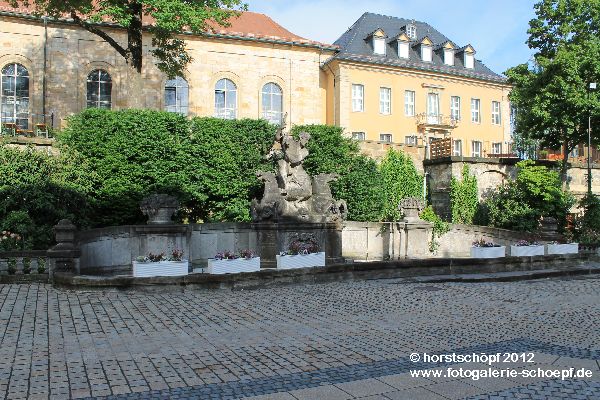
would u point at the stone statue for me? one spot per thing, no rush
(159, 208)
(292, 194)
(411, 207)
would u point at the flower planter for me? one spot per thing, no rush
(569, 248)
(233, 266)
(301, 261)
(161, 268)
(488, 252)
(527, 251)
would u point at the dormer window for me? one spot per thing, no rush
(448, 56)
(469, 61)
(426, 53)
(379, 45)
(403, 50)
(411, 31)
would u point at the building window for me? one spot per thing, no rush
(99, 89)
(457, 148)
(469, 61)
(433, 108)
(497, 148)
(411, 140)
(475, 148)
(385, 100)
(225, 99)
(403, 49)
(385, 137)
(448, 57)
(379, 45)
(476, 111)
(409, 103)
(272, 103)
(14, 97)
(411, 31)
(455, 108)
(426, 53)
(496, 120)
(360, 136)
(177, 96)
(358, 98)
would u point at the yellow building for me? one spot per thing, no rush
(401, 81)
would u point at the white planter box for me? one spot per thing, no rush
(161, 268)
(527, 251)
(569, 248)
(301, 261)
(488, 252)
(233, 266)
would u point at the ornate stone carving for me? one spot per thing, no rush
(159, 208)
(292, 194)
(411, 207)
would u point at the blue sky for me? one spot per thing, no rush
(497, 29)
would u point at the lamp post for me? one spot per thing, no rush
(593, 85)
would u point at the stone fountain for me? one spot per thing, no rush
(295, 205)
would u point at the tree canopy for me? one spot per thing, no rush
(167, 20)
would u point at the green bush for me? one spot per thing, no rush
(587, 226)
(440, 227)
(518, 205)
(400, 180)
(463, 197)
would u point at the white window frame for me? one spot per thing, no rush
(411, 31)
(455, 108)
(496, 113)
(426, 53)
(409, 103)
(403, 50)
(457, 148)
(360, 136)
(449, 57)
(497, 146)
(226, 112)
(358, 97)
(411, 140)
(385, 137)
(385, 100)
(476, 152)
(469, 60)
(476, 111)
(180, 87)
(379, 46)
(272, 110)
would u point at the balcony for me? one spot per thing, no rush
(435, 122)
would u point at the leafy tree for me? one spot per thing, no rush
(551, 95)
(400, 180)
(360, 181)
(169, 19)
(463, 197)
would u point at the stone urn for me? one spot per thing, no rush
(411, 207)
(64, 233)
(159, 208)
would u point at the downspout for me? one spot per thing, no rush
(45, 18)
(334, 102)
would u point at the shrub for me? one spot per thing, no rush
(440, 227)
(26, 265)
(12, 266)
(463, 197)
(400, 180)
(41, 265)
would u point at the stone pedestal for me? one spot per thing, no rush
(64, 257)
(274, 238)
(416, 236)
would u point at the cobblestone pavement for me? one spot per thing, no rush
(329, 341)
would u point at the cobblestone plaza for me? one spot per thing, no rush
(327, 341)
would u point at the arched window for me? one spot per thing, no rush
(176, 96)
(225, 99)
(99, 88)
(14, 95)
(272, 103)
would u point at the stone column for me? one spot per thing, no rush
(64, 257)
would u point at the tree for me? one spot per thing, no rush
(400, 180)
(463, 197)
(169, 19)
(551, 94)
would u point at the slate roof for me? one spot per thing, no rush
(354, 47)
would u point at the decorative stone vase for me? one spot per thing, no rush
(527, 251)
(235, 266)
(488, 252)
(159, 208)
(569, 248)
(161, 268)
(301, 260)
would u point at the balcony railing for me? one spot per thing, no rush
(436, 120)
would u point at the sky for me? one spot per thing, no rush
(496, 29)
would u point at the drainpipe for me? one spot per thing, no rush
(45, 18)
